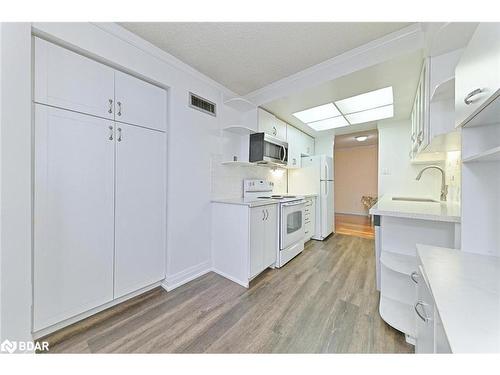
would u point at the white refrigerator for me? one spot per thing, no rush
(316, 177)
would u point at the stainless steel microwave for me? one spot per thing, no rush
(267, 149)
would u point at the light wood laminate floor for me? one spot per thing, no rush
(354, 225)
(323, 301)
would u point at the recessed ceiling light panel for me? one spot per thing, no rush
(317, 113)
(371, 115)
(329, 123)
(363, 102)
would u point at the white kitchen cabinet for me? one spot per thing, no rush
(244, 240)
(420, 113)
(477, 76)
(99, 187)
(263, 238)
(139, 103)
(73, 214)
(294, 147)
(68, 80)
(269, 124)
(299, 145)
(310, 218)
(140, 208)
(424, 315)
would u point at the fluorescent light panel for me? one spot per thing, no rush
(317, 113)
(329, 123)
(363, 102)
(371, 115)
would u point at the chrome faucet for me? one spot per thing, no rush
(444, 187)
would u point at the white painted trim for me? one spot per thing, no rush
(406, 40)
(86, 314)
(233, 279)
(180, 278)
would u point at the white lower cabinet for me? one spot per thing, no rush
(99, 212)
(263, 238)
(244, 240)
(424, 315)
(140, 208)
(309, 218)
(73, 214)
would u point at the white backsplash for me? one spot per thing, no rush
(227, 180)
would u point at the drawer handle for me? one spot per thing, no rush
(110, 110)
(469, 96)
(421, 315)
(119, 135)
(414, 277)
(110, 133)
(274, 130)
(119, 108)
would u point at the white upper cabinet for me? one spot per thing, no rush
(294, 147)
(139, 103)
(68, 80)
(73, 214)
(140, 208)
(477, 74)
(299, 144)
(271, 125)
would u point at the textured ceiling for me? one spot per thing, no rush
(248, 56)
(401, 73)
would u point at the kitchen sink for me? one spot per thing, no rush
(411, 199)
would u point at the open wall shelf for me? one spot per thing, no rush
(492, 154)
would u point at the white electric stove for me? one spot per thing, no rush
(291, 217)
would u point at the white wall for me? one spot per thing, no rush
(193, 137)
(15, 164)
(396, 173)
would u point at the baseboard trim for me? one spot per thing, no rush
(180, 278)
(233, 279)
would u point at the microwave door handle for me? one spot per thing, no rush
(284, 154)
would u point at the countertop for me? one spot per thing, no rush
(466, 290)
(434, 211)
(243, 202)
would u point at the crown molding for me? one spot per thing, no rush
(403, 41)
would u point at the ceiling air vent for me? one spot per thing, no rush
(204, 105)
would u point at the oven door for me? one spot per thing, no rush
(292, 223)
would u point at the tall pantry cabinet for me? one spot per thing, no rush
(99, 185)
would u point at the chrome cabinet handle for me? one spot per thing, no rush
(110, 133)
(263, 215)
(420, 137)
(414, 277)
(294, 161)
(274, 130)
(119, 139)
(469, 96)
(119, 108)
(110, 110)
(267, 214)
(420, 315)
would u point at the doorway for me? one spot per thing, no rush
(356, 182)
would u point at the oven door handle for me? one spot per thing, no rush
(293, 203)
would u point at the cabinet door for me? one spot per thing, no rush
(73, 214)
(270, 236)
(269, 124)
(139, 102)
(68, 80)
(477, 75)
(140, 222)
(257, 217)
(309, 145)
(294, 147)
(280, 129)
